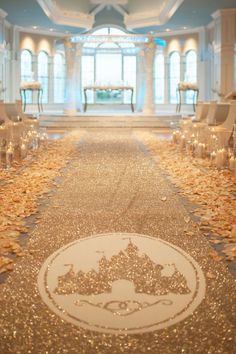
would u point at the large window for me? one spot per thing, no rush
(159, 78)
(59, 78)
(129, 72)
(108, 63)
(43, 74)
(174, 76)
(26, 71)
(108, 72)
(190, 73)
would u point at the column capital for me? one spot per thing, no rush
(68, 45)
(223, 12)
(150, 45)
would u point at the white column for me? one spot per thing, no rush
(149, 103)
(70, 87)
(4, 54)
(224, 38)
(140, 78)
(15, 65)
(50, 81)
(34, 75)
(202, 65)
(78, 54)
(182, 75)
(167, 70)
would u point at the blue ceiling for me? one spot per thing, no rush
(192, 13)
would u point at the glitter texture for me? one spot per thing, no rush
(113, 185)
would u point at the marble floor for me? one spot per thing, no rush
(109, 268)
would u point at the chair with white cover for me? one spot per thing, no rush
(19, 129)
(217, 113)
(186, 124)
(200, 125)
(7, 126)
(202, 109)
(29, 120)
(224, 131)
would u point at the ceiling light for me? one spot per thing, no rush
(35, 27)
(184, 27)
(51, 29)
(167, 30)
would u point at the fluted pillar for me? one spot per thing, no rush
(70, 86)
(224, 43)
(79, 50)
(140, 78)
(149, 98)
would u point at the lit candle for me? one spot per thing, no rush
(213, 157)
(9, 156)
(182, 142)
(177, 135)
(23, 150)
(174, 138)
(219, 159)
(224, 157)
(203, 151)
(232, 163)
(3, 153)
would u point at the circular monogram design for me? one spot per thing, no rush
(121, 283)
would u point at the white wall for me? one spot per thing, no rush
(203, 40)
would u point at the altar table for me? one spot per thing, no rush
(108, 88)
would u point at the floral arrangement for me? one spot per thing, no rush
(184, 86)
(30, 85)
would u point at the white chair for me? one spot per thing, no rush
(29, 120)
(202, 109)
(199, 127)
(18, 127)
(8, 124)
(186, 124)
(223, 131)
(217, 112)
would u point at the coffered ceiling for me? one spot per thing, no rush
(135, 13)
(141, 16)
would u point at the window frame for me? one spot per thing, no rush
(189, 95)
(60, 78)
(28, 93)
(44, 79)
(159, 78)
(175, 78)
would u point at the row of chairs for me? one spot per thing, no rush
(18, 133)
(210, 133)
(213, 123)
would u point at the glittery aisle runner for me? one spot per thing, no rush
(113, 187)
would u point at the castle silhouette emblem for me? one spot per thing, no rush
(126, 283)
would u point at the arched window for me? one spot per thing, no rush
(159, 78)
(98, 63)
(59, 78)
(174, 75)
(190, 73)
(129, 75)
(26, 71)
(43, 74)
